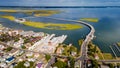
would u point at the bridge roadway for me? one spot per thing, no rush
(88, 38)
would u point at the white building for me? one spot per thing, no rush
(48, 44)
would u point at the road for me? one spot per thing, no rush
(83, 51)
(50, 62)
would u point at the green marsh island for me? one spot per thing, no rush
(48, 25)
(95, 20)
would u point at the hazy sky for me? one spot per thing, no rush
(59, 2)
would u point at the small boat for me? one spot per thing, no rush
(20, 20)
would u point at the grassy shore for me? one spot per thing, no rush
(52, 25)
(40, 14)
(95, 50)
(36, 12)
(12, 18)
(118, 43)
(6, 10)
(46, 13)
(107, 56)
(89, 19)
(48, 25)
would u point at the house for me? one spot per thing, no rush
(96, 57)
(29, 54)
(20, 52)
(39, 65)
(3, 65)
(13, 52)
(10, 59)
(2, 47)
(2, 59)
(19, 43)
(60, 50)
(31, 59)
(26, 64)
(27, 45)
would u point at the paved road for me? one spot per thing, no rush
(50, 62)
(83, 51)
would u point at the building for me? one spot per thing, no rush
(26, 64)
(2, 47)
(19, 43)
(10, 59)
(3, 65)
(48, 43)
(60, 50)
(13, 52)
(39, 65)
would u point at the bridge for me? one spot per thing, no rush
(83, 51)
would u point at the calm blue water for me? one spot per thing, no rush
(107, 29)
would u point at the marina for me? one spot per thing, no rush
(48, 44)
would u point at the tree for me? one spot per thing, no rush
(20, 65)
(80, 42)
(95, 49)
(23, 47)
(60, 64)
(95, 63)
(9, 49)
(111, 65)
(72, 62)
(47, 57)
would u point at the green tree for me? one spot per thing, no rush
(9, 49)
(72, 62)
(47, 57)
(60, 64)
(20, 65)
(95, 64)
(95, 49)
(23, 47)
(111, 65)
(80, 42)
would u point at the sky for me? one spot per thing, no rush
(59, 2)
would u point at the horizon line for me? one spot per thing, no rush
(60, 6)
